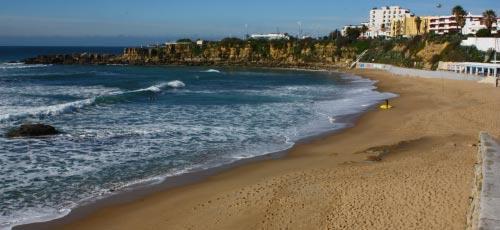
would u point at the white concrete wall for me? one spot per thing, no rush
(489, 198)
(483, 44)
(408, 72)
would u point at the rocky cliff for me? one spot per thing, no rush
(423, 52)
(304, 53)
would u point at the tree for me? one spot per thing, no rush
(418, 23)
(353, 33)
(483, 33)
(184, 40)
(489, 17)
(459, 13)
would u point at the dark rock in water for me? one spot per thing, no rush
(32, 130)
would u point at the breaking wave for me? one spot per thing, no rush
(21, 65)
(211, 71)
(159, 87)
(50, 110)
(176, 84)
(53, 110)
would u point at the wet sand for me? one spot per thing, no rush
(406, 168)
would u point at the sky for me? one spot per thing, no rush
(133, 22)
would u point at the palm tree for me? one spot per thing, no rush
(489, 17)
(459, 13)
(418, 23)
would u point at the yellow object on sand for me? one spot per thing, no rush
(384, 106)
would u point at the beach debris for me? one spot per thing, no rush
(378, 153)
(32, 130)
(373, 158)
(386, 105)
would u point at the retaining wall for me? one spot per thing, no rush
(408, 72)
(484, 212)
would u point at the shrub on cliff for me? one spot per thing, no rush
(483, 33)
(184, 40)
(232, 42)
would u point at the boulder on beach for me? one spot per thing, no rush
(32, 130)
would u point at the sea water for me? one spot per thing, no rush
(123, 125)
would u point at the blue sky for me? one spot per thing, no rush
(128, 22)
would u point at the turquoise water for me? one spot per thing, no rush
(124, 125)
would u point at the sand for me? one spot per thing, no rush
(418, 174)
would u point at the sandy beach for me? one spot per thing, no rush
(406, 168)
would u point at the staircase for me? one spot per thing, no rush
(358, 59)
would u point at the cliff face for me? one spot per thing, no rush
(429, 51)
(418, 52)
(246, 53)
(283, 54)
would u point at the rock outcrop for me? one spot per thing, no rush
(32, 130)
(302, 53)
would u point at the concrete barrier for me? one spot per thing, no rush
(408, 72)
(484, 211)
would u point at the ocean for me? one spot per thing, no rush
(124, 125)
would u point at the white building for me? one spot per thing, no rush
(447, 24)
(343, 32)
(483, 44)
(271, 36)
(474, 23)
(381, 19)
(443, 24)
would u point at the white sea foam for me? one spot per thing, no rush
(159, 87)
(154, 88)
(50, 110)
(19, 65)
(32, 215)
(176, 84)
(211, 71)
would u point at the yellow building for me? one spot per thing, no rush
(409, 26)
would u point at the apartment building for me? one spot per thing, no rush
(381, 19)
(409, 26)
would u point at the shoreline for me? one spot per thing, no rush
(147, 187)
(337, 153)
(140, 190)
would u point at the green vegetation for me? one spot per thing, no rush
(483, 33)
(184, 40)
(422, 51)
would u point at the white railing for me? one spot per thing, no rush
(358, 59)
